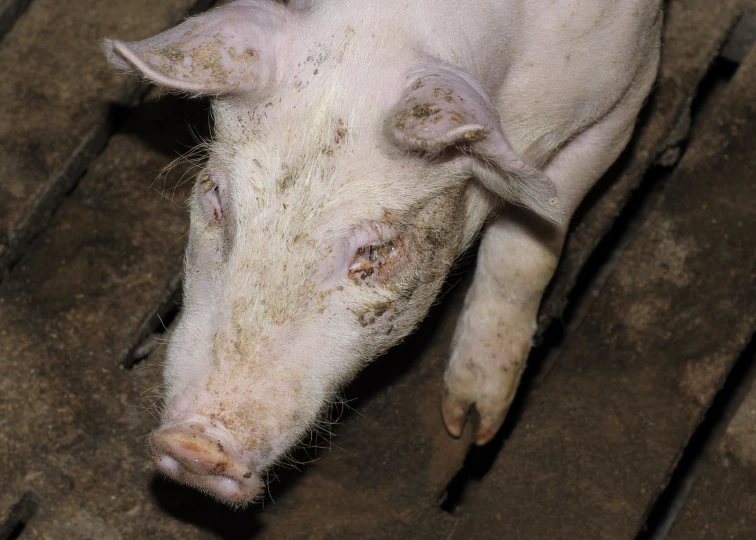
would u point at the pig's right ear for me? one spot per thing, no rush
(443, 109)
(230, 49)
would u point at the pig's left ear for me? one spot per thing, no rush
(229, 49)
(441, 110)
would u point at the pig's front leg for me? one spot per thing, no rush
(516, 260)
(518, 255)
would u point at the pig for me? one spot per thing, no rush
(358, 148)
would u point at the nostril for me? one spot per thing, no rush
(205, 458)
(193, 450)
(196, 451)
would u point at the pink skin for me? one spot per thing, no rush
(339, 190)
(443, 109)
(234, 59)
(195, 454)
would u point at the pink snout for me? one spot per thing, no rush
(202, 456)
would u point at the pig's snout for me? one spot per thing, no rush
(203, 457)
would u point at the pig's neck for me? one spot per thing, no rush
(396, 35)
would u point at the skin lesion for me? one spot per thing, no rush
(371, 258)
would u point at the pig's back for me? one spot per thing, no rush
(577, 59)
(552, 66)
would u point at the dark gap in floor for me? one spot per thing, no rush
(664, 509)
(669, 502)
(115, 116)
(198, 7)
(479, 460)
(19, 515)
(10, 12)
(720, 72)
(155, 328)
(26, 231)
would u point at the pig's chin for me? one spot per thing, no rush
(203, 455)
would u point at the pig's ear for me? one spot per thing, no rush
(225, 50)
(440, 110)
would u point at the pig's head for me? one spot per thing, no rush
(343, 179)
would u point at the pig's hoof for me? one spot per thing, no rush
(487, 381)
(204, 458)
(455, 412)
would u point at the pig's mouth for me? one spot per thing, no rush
(203, 457)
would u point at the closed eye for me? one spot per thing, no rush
(211, 200)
